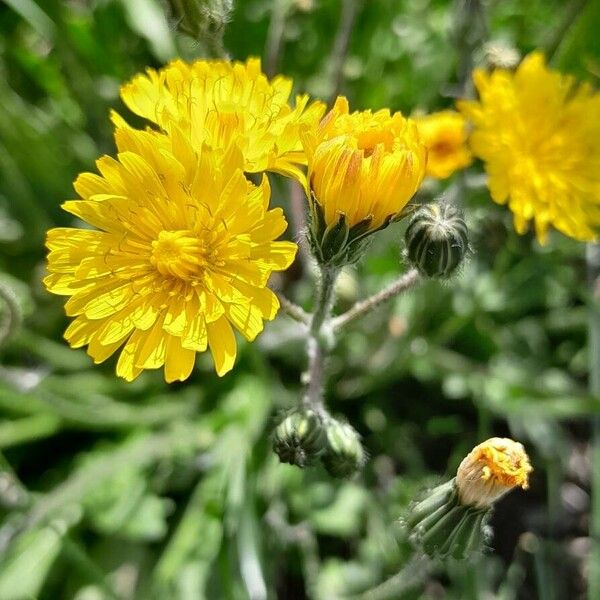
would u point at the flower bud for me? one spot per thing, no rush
(490, 470)
(436, 239)
(344, 454)
(199, 18)
(500, 55)
(299, 438)
(452, 520)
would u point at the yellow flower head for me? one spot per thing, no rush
(539, 135)
(181, 253)
(445, 136)
(363, 165)
(217, 103)
(491, 469)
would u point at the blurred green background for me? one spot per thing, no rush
(143, 490)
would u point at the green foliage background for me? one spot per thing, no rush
(141, 490)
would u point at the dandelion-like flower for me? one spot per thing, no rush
(492, 469)
(539, 136)
(217, 103)
(363, 168)
(180, 256)
(452, 519)
(445, 136)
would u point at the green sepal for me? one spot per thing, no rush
(443, 527)
(338, 244)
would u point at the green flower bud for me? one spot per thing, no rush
(299, 438)
(200, 18)
(444, 527)
(436, 239)
(344, 454)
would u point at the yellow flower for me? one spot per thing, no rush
(491, 469)
(364, 166)
(219, 102)
(539, 135)
(181, 253)
(445, 136)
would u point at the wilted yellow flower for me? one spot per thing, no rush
(181, 254)
(362, 165)
(491, 469)
(217, 103)
(445, 136)
(539, 135)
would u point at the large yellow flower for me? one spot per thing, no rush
(445, 135)
(364, 166)
(181, 254)
(539, 135)
(216, 103)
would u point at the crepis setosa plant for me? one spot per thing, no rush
(182, 243)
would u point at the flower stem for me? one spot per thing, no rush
(410, 578)
(293, 310)
(341, 44)
(11, 313)
(318, 341)
(360, 309)
(593, 267)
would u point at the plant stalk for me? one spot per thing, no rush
(593, 269)
(400, 285)
(318, 341)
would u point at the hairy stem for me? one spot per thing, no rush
(341, 44)
(403, 283)
(293, 310)
(318, 342)
(273, 46)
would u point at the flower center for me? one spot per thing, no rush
(178, 254)
(442, 148)
(504, 465)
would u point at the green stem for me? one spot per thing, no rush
(412, 576)
(87, 567)
(11, 315)
(324, 298)
(593, 266)
(318, 341)
(571, 13)
(397, 287)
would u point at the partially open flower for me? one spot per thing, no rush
(492, 469)
(452, 520)
(363, 168)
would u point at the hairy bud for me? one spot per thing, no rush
(299, 438)
(437, 239)
(200, 18)
(344, 454)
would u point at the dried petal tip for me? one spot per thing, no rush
(490, 470)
